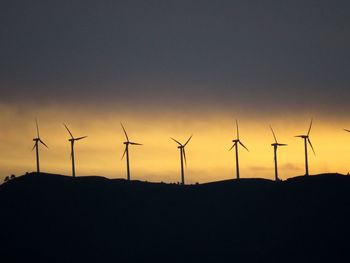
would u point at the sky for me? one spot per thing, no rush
(172, 69)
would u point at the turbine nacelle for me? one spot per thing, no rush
(237, 141)
(307, 137)
(307, 142)
(37, 139)
(126, 151)
(76, 139)
(182, 156)
(278, 144)
(132, 143)
(302, 136)
(181, 146)
(235, 144)
(127, 142)
(275, 147)
(308, 132)
(72, 139)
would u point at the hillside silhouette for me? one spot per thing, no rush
(54, 218)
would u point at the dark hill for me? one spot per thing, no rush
(53, 218)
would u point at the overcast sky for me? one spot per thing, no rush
(284, 54)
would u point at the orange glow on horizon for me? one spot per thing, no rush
(208, 158)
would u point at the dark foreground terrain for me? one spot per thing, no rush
(52, 218)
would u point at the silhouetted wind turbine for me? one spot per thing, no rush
(36, 146)
(72, 140)
(235, 144)
(182, 157)
(126, 151)
(275, 146)
(306, 141)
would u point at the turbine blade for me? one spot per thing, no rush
(282, 144)
(243, 145)
(188, 140)
(237, 129)
(233, 145)
(273, 133)
(123, 154)
(126, 135)
(135, 143)
(37, 128)
(346, 130)
(184, 154)
(71, 135)
(311, 145)
(43, 143)
(34, 146)
(300, 136)
(80, 138)
(309, 128)
(176, 141)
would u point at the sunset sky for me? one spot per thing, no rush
(171, 69)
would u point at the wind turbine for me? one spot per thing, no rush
(37, 140)
(275, 146)
(181, 147)
(306, 139)
(235, 144)
(72, 140)
(126, 152)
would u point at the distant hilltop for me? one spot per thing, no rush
(45, 177)
(55, 218)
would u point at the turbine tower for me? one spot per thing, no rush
(306, 139)
(37, 140)
(275, 146)
(235, 144)
(72, 140)
(126, 152)
(181, 147)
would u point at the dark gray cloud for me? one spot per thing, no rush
(291, 53)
